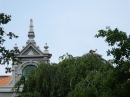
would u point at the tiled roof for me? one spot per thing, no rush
(4, 80)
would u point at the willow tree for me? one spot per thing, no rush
(69, 78)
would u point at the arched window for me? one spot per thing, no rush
(27, 69)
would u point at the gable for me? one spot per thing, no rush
(30, 50)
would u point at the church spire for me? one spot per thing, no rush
(31, 34)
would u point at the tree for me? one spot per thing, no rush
(71, 77)
(6, 55)
(84, 76)
(120, 43)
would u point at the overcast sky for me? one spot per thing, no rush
(65, 25)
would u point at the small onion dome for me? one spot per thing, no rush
(15, 47)
(46, 46)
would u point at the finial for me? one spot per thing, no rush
(15, 47)
(46, 46)
(31, 32)
(31, 26)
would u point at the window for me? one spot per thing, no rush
(28, 69)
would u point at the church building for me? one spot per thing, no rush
(29, 56)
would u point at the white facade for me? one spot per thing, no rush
(30, 55)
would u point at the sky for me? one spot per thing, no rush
(65, 25)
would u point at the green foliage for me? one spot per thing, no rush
(86, 76)
(6, 55)
(71, 77)
(120, 42)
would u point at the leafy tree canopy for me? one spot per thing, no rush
(6, 55)
(120, 43)
(71, 77)
(87, 76)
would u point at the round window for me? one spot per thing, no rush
(27, 70)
